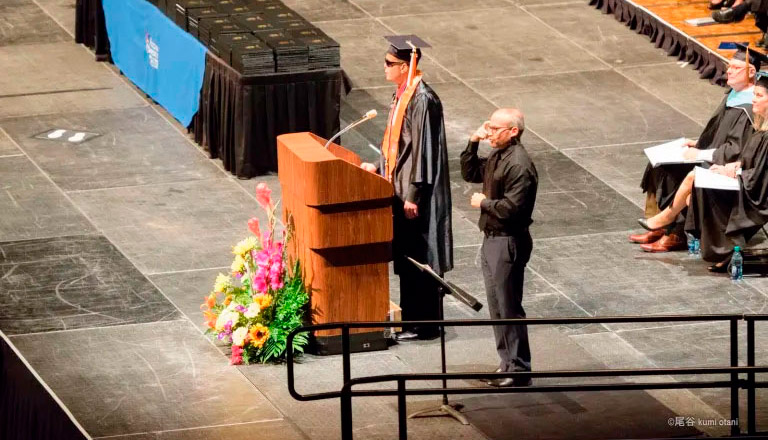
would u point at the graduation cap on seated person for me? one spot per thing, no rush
(761, 79)
(408, 49)
(750, 56)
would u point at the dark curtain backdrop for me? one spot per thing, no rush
(91, 29)
(27, 411)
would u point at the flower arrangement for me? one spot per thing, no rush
(261, 302)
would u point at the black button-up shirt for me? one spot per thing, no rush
(509, 182)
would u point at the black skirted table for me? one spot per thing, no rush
(241, 116)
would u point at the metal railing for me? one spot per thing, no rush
(734, 383)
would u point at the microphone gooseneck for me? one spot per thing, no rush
(370, 114)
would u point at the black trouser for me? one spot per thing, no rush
(419, 295)
(503, 262)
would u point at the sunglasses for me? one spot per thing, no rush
(392, 63)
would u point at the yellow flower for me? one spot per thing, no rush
(262, 300)
(258, 335)
(238, 265)
(245, 246)
(223, 282)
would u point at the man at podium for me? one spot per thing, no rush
(414, 157)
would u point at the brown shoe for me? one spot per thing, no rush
(668, 243)
(648, 237)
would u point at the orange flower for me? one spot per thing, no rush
(262, 300)
(210, 300)
(258, 335)
(227, 300)
(210, 319)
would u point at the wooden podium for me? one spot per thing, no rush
(342, 220)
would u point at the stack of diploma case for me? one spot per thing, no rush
(255, 37)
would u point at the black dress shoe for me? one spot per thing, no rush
(406, 335)
(728, 15)
(510, 382)
(644, 223)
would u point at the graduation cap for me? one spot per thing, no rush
(755, 58)
(406, 48)
(403, 46)
(761, 79)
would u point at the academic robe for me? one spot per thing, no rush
(727, 131)
(421, 177)
(724, 219)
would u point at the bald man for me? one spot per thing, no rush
(506, 205)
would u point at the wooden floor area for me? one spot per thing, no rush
(676, 12)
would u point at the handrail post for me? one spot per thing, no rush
(346, 412)
(346, 392)
(402, 418)
(347, 369)
(751, 410)
(289, 362)
(735, 429)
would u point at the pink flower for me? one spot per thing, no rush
(270, 267)
(237, 355)
(253, 225)
(263, 195)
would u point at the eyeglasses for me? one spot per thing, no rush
(495, 129)
(392, 63)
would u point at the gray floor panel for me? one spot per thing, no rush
(679, 86)
(81, 85)
(135, 147)
(71, 283)
(32, 206)
(23, 22)
(467, 45)
(143, 378)
(601, 35)
(362, 52)
(592, 108)
(325, 10)
(173, 227)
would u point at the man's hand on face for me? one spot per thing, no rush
(368, 167)
(479, 134)
(411, 210)
(477, 198)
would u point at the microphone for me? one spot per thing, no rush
(370, 114)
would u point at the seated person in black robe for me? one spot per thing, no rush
(720, 142)
(723, 219)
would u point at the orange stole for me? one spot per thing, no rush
(391, 142)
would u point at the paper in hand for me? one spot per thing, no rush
(669, 153)
(705, 178)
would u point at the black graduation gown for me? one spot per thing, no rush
(727, 131)
(724, 219)
(421, 176)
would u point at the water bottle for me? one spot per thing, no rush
(693, 245)
(735, 268)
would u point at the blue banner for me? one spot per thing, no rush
(162, 59)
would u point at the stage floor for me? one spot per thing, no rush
(108, 247)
